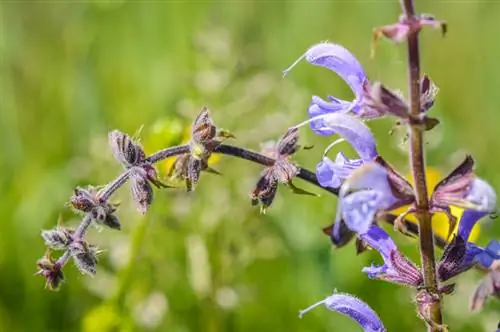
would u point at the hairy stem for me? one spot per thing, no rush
(417, 161)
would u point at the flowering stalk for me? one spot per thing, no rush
(417, 160)
(225, 149)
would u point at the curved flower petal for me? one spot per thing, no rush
(339, 60)
(370, 188)
(482, 196)
(468, 221)
(320, 107)
(354, 131)
(352, 307)
(379, 240)
(332, 174)
(359, 209)
(484, 257)
(396, 268)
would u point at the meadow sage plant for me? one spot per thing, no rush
(369, 189)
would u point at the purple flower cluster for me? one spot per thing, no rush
(369, 187)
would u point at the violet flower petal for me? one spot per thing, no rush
(339, 60)
(363, 194)
(467, 221)
(379, 240)
(482, 196)
(320, 107)
(369, 176)
(359, 209)
(484, 257)
(354, 131)
(352, 307)
(332, 174)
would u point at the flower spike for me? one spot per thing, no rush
(352, 307)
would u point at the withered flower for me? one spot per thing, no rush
(84, 256)
(282, 170)
(101, 211)
(205, 137)
(58, 238)
(463, 189)
(51, 271)
(131, 155)
(489, 286)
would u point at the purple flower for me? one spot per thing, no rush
(341, 61)
(396, 268)
(354, 308)
(372, 188)
(460, 255)
(484, 257)
(358, 135)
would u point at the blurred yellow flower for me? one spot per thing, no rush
(440, 223)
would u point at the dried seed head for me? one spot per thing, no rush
(288, 144)
(126, 151)
(265, 190)
(428, 92)
(101, 211)
(85, 256)
(203, 129)
(112, 222)
(58, 238)
(282, 169)
(83, 199)
(379, 101)
(142, 193)
(51, 271)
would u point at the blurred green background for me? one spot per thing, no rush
(208, 261)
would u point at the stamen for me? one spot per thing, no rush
(329, 147)
(303, 312)
(286, 71)
(319, 117)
